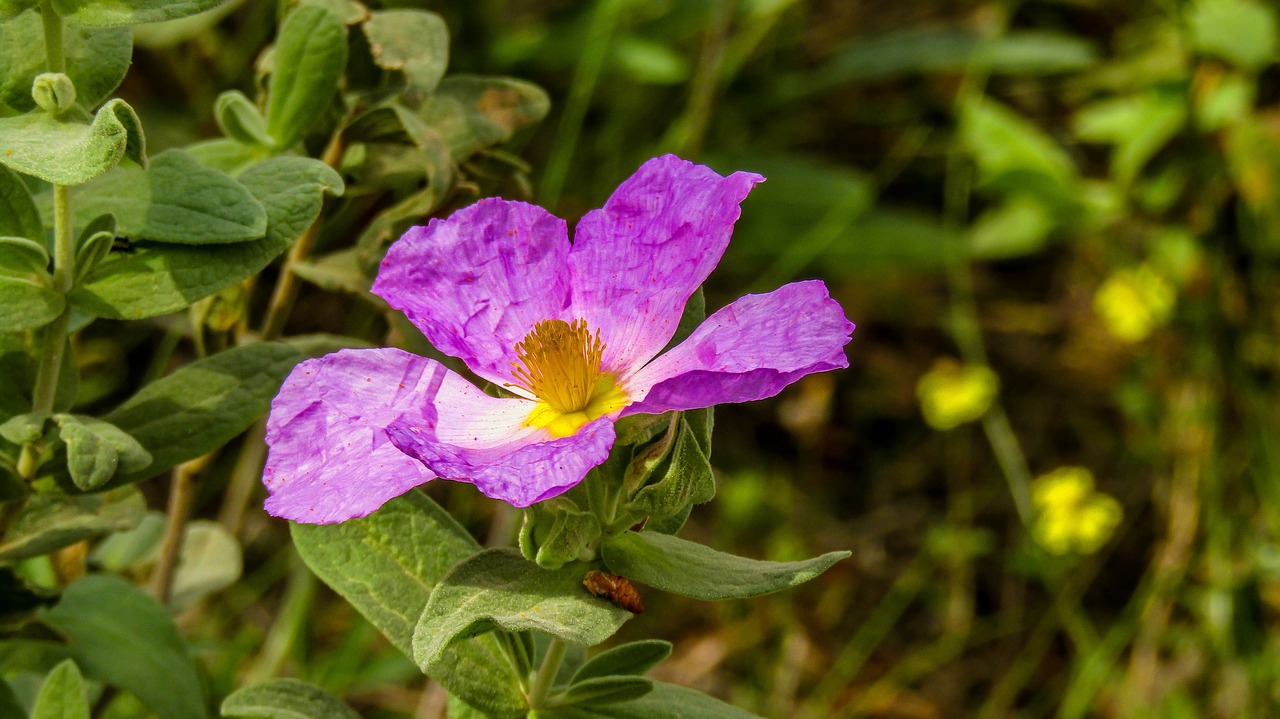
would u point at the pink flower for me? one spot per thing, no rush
(573, 330)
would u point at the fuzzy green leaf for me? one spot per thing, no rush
(10, 9)
(472, 112)
(500, 589)
(49, 523)
(117, 13)
(203, 405)
(240, 120)
(71, 153)
(96, 60)
(158, 279)
(63, 694)
(18, 214)
(695, 570)
(27, 304)
(666, 701)
(602, 691)
(310, 56)
(120, 635)
(386, 565)
(633, 658)
(96, 449)
(175, 200)
(285, 699)
(675, 472)
(415, 42)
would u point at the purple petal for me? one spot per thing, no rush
(476, 283)
(475, 441)
(330, 457)
(636, 261)
(749, 350)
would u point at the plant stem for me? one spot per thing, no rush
(181, 494)
(547, 673)
(54, 58)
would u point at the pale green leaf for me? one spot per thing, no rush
(96, 60)
(1003, 142)
(27, 304)
(285, 699)
(210, 561)
(49, 522)
(120, 635)
(414, 42)
(240, 119)
(666, 701)
(633, 658)
(1242, 32)
(71, 153)
(96, 448)
(386, 565)
(602, 691)
(310, 56)
(113, 13)
(471, 112)
(695, 570)
(500, 589)
(62, 696)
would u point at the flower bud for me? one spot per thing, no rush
(53, 92)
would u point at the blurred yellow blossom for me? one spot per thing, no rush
(951, 394)
(1070, 515)
(1134, 302)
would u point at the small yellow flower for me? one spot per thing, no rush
(951, 394)
(1070, 515)
(1134, 302)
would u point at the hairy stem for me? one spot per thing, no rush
(181, 494)
(547, 673)
(54, 59)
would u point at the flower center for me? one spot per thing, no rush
(561, 364)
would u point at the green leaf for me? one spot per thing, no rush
(674, 472)
(203, 405)
(24, 259)
(1240, 31)
(91, 252)
(695, 570)
(339, 272)
(24, 428)
(472, 112)
(50, 522)
(1138, 126)
(95, 449)
(666, 701)
(12, 8)
(63, 694)
(115, 13)
(602, 691)
(1017, 227)
(310, 56)
(9, 704)
(633, 658)
(285, 699)
(120, 635)
(96, 60)
(27, 304)
(414, 42)
(18, 214)
(500, 589)
(211, 560)
(1002, 142)
(175, 200)
(71, 153)
(160, 279)
(386, 565)
(240, 120)
(131, 547)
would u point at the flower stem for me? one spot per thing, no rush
(181, 494)
(547, 673)
(54, 59)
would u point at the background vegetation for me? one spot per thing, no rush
(1080, 195)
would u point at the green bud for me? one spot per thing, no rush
(53, 92)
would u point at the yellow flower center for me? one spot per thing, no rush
(560, 365)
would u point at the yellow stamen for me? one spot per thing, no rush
(560, 365)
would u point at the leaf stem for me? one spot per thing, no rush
(53, 345)
(54, 59)
(547, 673)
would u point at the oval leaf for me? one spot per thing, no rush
(18, 214)
(27, 305)
(159, 279)
(116, 13)
(240, 120)
(634, 658)
(285, 699)
(602, 691)
(120, 635)
(386, 565)
(71, 153)
(472, 112)
(310, 55)
(666, 701)
(95, 449)
(62, 696)
(695, 570)
(499, 589)
(414, 42)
